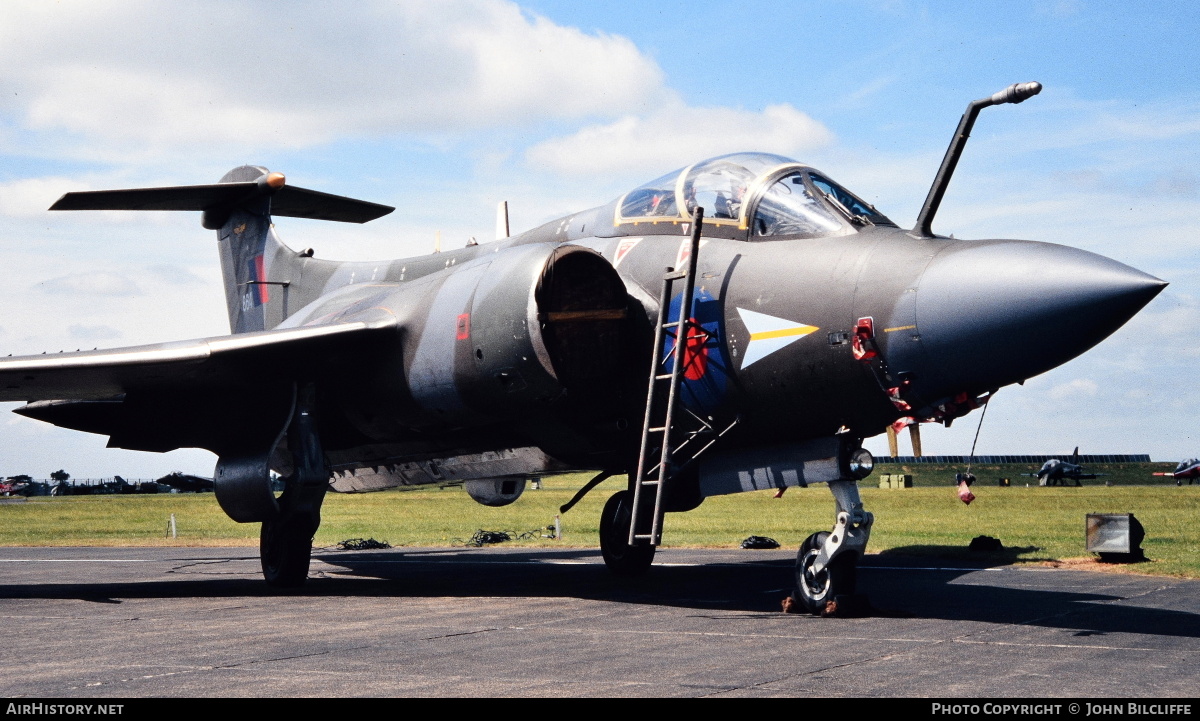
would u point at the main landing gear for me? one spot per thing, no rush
(243, 488)
(620, 557)
(827, 565)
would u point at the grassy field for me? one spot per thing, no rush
(1117, 474)
(1035, 524)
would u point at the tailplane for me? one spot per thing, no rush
(255, 264)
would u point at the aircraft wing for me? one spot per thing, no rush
(206, 361)
(205, 393)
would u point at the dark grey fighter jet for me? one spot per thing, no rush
(186, 483)
(1057, 472)
(806, 321)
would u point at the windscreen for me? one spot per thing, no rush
(788, 207)
(859, 210)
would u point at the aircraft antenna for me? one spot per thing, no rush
(1015, 93)
(502, 229)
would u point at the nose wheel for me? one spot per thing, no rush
(816, 588)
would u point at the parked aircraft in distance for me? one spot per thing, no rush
(186, 483)
(1189, 469)
(1055, 472)
(15, 485)
(806, 321)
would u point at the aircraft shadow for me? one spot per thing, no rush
(938, 593)
(897, 585)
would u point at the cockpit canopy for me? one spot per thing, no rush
(756, 196)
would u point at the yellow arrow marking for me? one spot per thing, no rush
(783, 332)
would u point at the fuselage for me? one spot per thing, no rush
(808, 331)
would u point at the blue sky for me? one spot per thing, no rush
(444, 108)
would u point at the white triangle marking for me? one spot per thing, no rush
(769, 334)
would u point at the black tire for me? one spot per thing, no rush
(284, 548)
(621, 558)
(838, 578)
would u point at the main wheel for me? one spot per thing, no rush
(839, 577)
(620, 557)
(284, 547)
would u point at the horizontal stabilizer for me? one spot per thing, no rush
(180, 197)
(286, 201)
(303, 203)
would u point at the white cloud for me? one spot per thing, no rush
(174, 275)
(31, 197)
(861, 96)
(101, 283)
(1077, 387)
(677, 134)
(144, 74)
(1111, 178)
(92, 332)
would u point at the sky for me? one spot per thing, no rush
(444, 108)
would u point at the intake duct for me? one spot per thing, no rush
(535, 325)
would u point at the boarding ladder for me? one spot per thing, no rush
(659, 458)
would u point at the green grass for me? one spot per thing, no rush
(1035, 524)
(1117, 474)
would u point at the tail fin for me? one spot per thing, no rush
(255, 265)
(253, 260)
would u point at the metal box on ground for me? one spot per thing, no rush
(895, 480)
(1117, 537)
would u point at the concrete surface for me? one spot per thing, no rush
(199, 622)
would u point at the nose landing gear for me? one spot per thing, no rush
(827, 564)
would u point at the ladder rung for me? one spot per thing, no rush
(657, 430)
(663, 377)
(650, 481)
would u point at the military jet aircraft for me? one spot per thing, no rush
(1056, 472)
(186, 483)
(1189, 469)
(15, 486)
(807, 320)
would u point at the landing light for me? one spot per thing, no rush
(861, 463)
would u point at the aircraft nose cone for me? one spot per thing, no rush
(990, 313)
